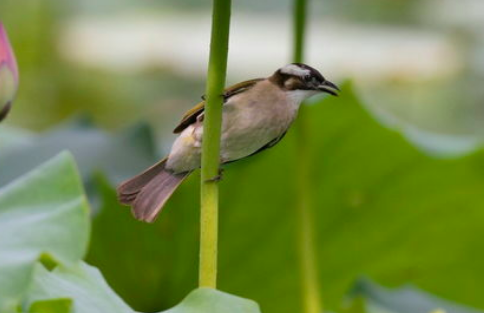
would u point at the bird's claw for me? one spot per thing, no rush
(216, 178)
(224, 96)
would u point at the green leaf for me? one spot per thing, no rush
(82, 283)
(207, 300)
(51, 306)
(382, 208)
(43, 215)
(404, 300)
(91, 294)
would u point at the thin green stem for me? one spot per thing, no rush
(217, 69)
(300, 8)
(309, 272)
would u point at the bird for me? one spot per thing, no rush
(256, 114)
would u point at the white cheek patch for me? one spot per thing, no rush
(292, 69)
(295, 97)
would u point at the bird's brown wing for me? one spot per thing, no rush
(191, 115)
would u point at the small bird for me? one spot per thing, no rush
(256, 115)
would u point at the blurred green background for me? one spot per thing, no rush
(398, 172)
(419, 61)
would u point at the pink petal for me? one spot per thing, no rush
(6, 53)
(8, 74)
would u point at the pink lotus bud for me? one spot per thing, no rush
(8, 74)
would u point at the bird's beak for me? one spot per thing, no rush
(329, 87)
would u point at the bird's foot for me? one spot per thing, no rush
(224, 95)
(216, 178)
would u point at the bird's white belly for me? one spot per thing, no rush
(248, 130)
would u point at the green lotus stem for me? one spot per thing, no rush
(312, 301)
(300, 7)
(217, 68)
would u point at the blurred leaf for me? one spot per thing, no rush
(14, 137)
(91, 294)
(51, 306)
(43, 215)
(83, 283)
(383, 209)
(118, 156)
(404, 300)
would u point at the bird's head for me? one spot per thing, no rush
(303, 79)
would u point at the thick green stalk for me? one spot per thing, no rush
(217, 68)
(310, 287)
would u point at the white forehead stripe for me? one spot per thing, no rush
(292, 69)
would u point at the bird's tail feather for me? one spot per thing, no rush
(148, 192)
(128, 190)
